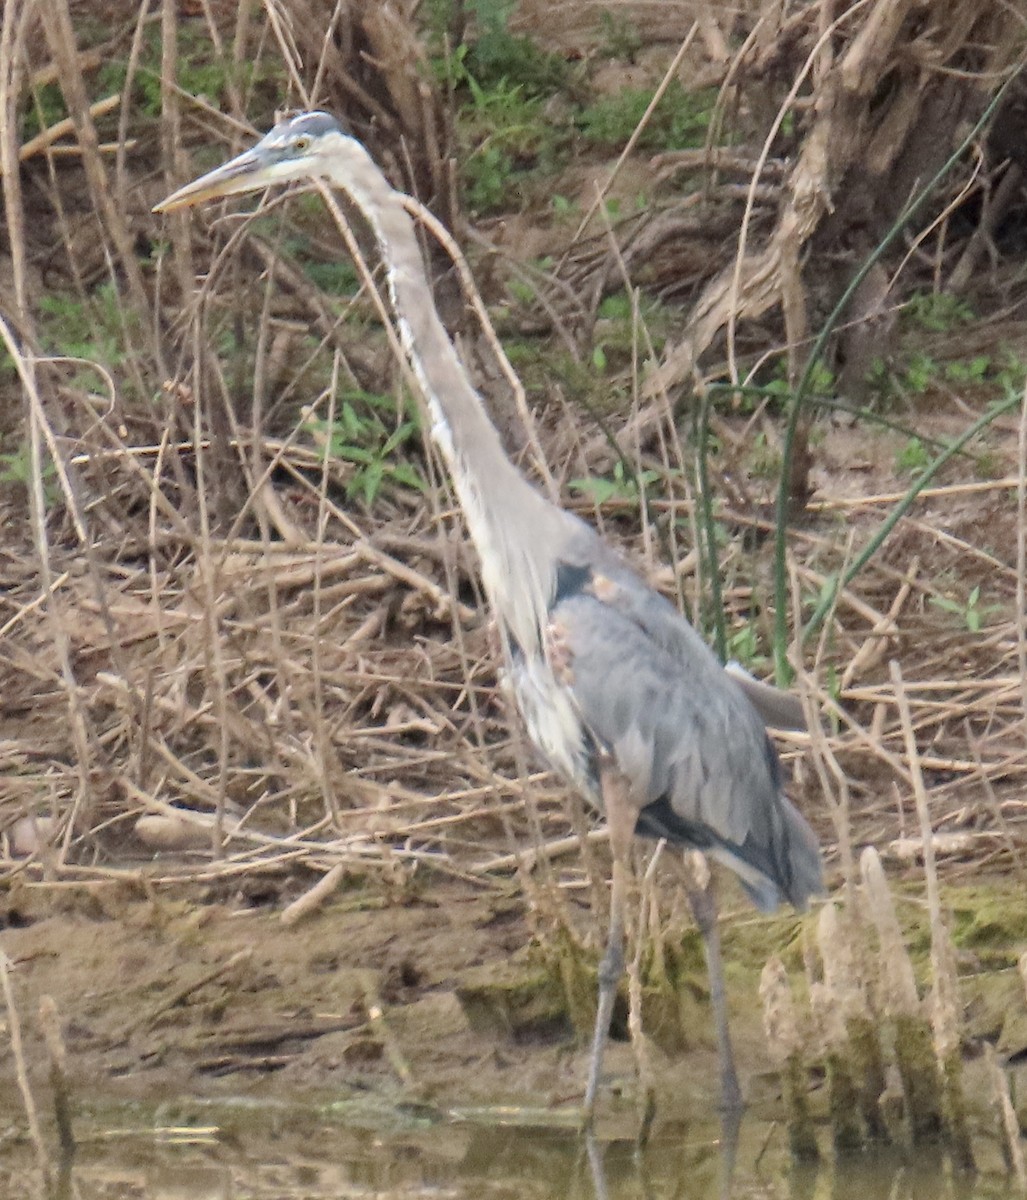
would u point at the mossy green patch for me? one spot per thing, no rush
(990, 920)
(519, 999)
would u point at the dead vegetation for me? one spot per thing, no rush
(231, 645)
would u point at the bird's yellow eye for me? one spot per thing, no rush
(302, 144)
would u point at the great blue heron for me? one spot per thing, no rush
(618, 691)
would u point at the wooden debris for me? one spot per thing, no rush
(312, 900)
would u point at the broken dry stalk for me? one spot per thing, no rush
(375, 1007)
(20, 1068)
(184, 992)
(833, 1002)
(945, 1005)
(50, 1021)
(315, 897)
(779, 1021)
(1012, 1150)
(900, 1003)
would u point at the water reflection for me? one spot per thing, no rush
(287, 1155)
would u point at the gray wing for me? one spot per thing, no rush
(651, 694)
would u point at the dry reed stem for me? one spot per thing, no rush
(749, 287)
(312, 900)
(835, 1003)
(1021, 558)
(60, 35)
(946, 1006)
(21, 1069)
(780, 1023)
(50, 1023)
(14, 33)
(896, 983)
(1012, 1145)
(668, 78)
(873, 648)
(948, 491)
(945, 1018)
(375, 1008)
(45, 141)
(39, 428)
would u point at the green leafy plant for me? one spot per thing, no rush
(363, 435)
(503, 132)
(743, 645)
(680, 120)
(16, 467)
(621, 484)
(821, 383)
(920, 373)
(913, 457)
(91, 327)
(970, 611)
(615, 307)
(937, 312)
(618, 330)
(499, 57)
(620, 38)
(46, 108)
(492, 53)
(764, 458)
(973, 370)
(200, 71)
(522, 290)
(335, 278)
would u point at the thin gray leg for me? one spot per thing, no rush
(704, 909)
(620, 818)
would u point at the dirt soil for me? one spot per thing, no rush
(209, 994)
(426, 1000)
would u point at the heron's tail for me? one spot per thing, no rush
(787, 867)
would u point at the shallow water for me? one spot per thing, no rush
(240, 1152)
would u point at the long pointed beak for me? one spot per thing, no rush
(240, 174)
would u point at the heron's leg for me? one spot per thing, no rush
(620, 819)
(699, 888)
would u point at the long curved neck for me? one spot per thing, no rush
(517, 532)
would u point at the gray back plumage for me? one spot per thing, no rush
(651, 695)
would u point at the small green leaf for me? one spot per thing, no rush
(946, 604)
(353, 454)
(600, 490)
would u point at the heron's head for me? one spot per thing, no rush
(301, 147)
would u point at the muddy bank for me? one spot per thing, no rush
(208, 992)
(377, 997)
